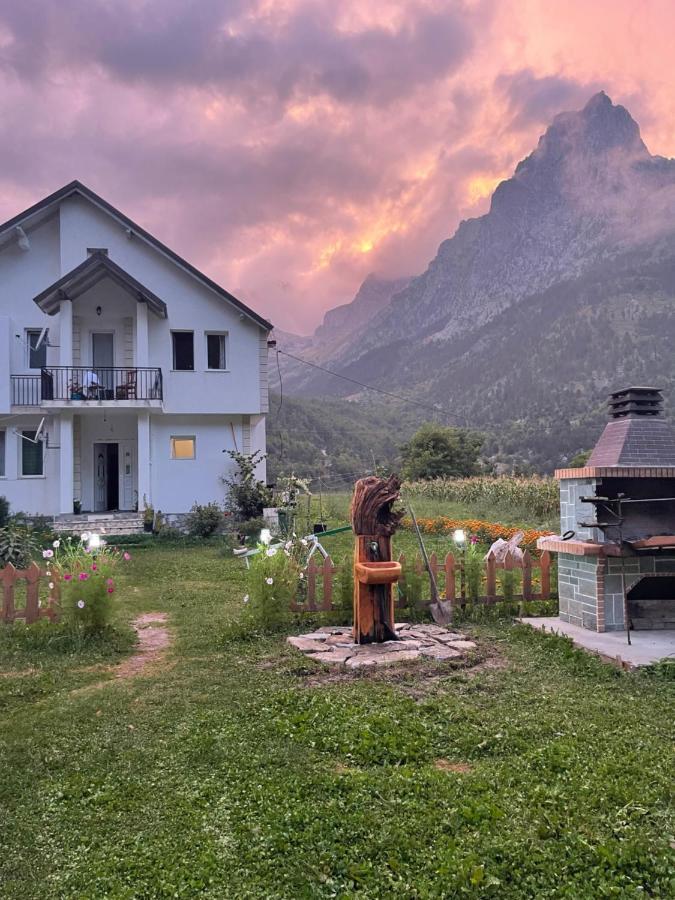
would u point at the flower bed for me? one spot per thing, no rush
(486, 532)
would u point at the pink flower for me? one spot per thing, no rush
(67, 577)
(126, 557)
(83, 576)
(474, 539)
(47, 554)
(110, 582)
(94, 567)
(110, 590)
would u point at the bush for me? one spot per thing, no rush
(272, 582)
(203, 521)
(18, 546)
(248, 495)
(87, 582)
(251, 528)
(4, 511)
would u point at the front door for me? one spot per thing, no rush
(106, 477)
(103, 357)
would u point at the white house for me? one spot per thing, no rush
(124, 371)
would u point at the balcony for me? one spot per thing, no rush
(58, 386)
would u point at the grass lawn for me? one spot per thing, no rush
(238, 769)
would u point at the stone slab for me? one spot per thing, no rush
(376, 659)
(438, 652)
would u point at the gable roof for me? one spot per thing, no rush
(89, 273)
(76, 187)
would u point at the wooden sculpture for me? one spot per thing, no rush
(374, 522)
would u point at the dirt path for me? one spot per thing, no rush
(153, 640)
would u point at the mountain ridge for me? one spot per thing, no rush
(589, 205)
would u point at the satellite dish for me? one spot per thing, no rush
(41, 337)
(38, 433)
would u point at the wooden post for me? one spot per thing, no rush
(8, 575)
(328, 569)
(32, 576)
(374, 521)
(545, 567)
(491, 578)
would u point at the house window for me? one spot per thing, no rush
(215, 351)
(3, 444)
(31, 455)
(37, 356)
(183, 350)
(183, 447)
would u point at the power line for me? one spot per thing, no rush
(369, 387)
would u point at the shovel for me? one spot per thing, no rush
(441, 610)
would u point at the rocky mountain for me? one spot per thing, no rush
(530, 313)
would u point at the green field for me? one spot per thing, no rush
(238, 769)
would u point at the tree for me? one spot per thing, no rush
(435, 451)
(579, 459)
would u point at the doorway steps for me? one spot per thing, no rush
(105, 524)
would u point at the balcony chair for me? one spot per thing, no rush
(127, 391)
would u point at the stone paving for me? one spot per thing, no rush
(334, 646)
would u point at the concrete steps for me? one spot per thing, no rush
(105, 524)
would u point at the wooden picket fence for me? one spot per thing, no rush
(31, 579)
(450, 574)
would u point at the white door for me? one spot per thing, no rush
(127, 474)
(103, 357)
(100, 478)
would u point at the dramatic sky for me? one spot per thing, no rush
(290, 147)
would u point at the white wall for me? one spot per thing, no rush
(190, 306)
(36, 495)
(178, 483)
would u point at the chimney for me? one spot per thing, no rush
(636, 434)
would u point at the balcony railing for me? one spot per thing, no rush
(86, 383)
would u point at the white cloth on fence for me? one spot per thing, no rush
(501, 548)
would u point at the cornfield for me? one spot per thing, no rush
(539, 495)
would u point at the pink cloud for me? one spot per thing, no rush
(291, 148)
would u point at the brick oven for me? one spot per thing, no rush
(616, 550)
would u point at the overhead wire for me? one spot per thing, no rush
(369, 387)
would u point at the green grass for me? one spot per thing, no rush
(238, 770)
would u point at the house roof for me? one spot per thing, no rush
(86, 275)
(76, 187)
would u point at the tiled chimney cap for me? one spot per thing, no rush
(636, 435)
(636, 401)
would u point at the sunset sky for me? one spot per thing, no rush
(290, 147)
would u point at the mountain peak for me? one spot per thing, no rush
(601, 126)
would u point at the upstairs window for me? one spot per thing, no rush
(216, 357)
(31, 455)
(37, 356)
(3, 444)
(183, 350)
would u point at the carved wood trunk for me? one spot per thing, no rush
(374, 521)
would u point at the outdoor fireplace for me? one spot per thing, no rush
(616, 551)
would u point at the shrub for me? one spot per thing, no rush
(248, 495)
(272, 582)
(203, 521)
(251, 528)
(87, 582)
(4, 511)
(18, 546)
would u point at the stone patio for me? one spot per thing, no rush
(334, 646)
(646, 646)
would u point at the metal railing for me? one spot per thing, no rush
(25, 390)
(87, 383)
